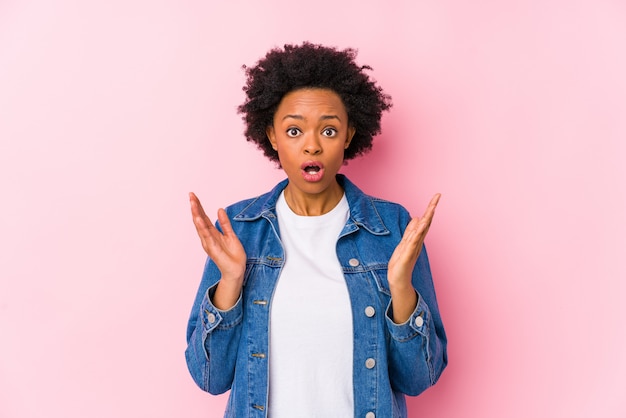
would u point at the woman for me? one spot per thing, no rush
(316, 299)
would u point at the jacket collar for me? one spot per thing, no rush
(362, 210)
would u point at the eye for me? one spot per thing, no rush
(293, 132)
(329, 132)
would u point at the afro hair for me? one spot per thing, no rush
(312, 66)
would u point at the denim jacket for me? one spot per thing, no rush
(230, 349)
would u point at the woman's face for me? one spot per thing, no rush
(310, 133)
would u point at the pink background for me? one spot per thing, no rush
(110, 112)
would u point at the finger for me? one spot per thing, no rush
(227, 228)
(407, 250)
(430, 210)
(410, 241)
(196, 207)
(417, 228)
(427, 218)
(199, 216)
(418, 223)
(411, 229)
(204, 227)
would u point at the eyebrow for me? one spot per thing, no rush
(300, 117)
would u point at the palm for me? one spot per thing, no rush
(225, 249)
(402, 261)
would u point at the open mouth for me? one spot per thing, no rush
(311, 167)
(312, 170)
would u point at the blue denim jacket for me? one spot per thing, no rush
(230, 349)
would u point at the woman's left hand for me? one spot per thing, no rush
(402, 262)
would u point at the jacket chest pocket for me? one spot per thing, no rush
(261, 273)
(379, 276)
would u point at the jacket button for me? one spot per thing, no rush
(370, 415)
(370, 363)
(419, 321)
(370, 311)
(353, 262)
(211, 318)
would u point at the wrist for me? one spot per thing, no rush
(400, 286)
(403, 302)
(226, 294)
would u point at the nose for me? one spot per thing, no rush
(312, 145)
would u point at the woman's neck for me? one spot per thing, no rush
(305, 204)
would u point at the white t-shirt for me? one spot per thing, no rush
(311, 320)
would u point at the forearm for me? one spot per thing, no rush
(226, 294)
(213, 337)
(418, 346)
(417, 351)
(403, 301)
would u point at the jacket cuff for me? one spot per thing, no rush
(212, 317)
(417, 324)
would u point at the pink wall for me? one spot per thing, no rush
(110, 112)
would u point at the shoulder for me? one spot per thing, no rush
(376, 214)
(388, 205)
(393, 214)
(237, 207)
(255, 207)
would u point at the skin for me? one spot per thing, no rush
(310, 125)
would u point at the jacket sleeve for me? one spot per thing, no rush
(417, 347)
(212, 337)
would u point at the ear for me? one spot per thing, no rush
(271, 135)
(351, 132)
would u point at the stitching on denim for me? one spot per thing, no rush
(223, 326)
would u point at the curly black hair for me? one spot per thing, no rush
(312, 66)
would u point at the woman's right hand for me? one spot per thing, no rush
(225, 250)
